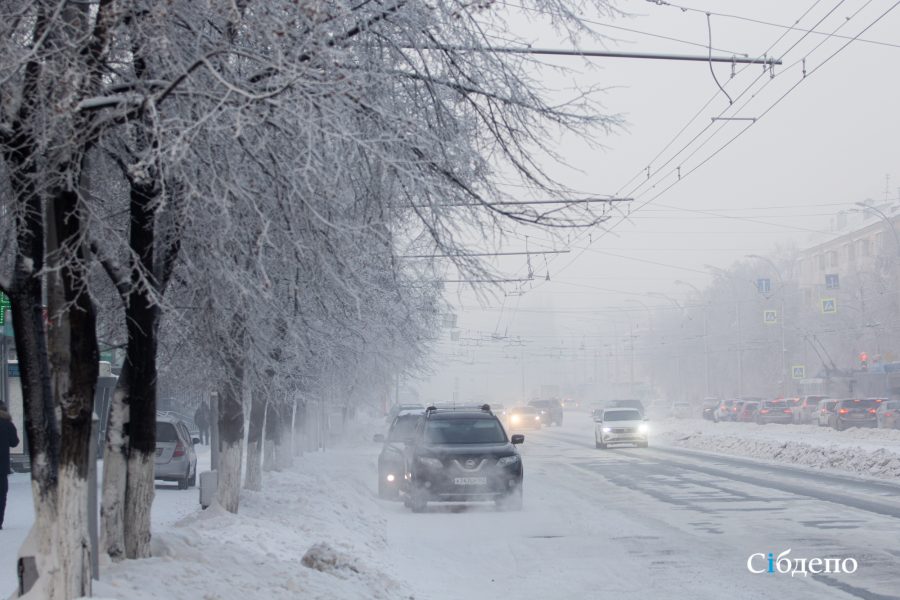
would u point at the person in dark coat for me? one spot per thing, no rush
(201, 420)
(9, 438)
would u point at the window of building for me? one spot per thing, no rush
(863, 247)
(821, 258)
(851, 252)
(833, 259)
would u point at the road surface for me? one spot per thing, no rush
(647, 523)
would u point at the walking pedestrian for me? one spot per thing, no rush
(201, 420)
(9, 438)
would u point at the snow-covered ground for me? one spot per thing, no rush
(863, 451)
(627, 524)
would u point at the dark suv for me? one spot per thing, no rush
(462, 454)
(391, 461)
(551, 411)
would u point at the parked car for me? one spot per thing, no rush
(708, 408)
(391, 463)
(175, 458)
(621, 426)
(805, 411)
(681, 409)
(524, 417)
(825, 412)
(551, 411)
(774, 411)
(635, 404)
(462, 455)
(857, 412)
(888, 415)
(724, 411)
(747, 412)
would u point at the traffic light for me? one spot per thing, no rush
(863, 361)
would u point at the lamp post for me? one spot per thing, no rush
(784, 367)
(884, 218)
(679, 357)
(737, 312)
(705, 332)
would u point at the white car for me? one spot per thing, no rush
(620, 426)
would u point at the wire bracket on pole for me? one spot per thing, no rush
(804, 67)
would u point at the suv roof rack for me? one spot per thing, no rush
(459, 407)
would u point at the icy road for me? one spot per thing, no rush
(626, 523)
(656, 523)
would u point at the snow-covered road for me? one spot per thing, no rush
(667, 522)
(633, 523)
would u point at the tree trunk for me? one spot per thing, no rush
(115, 472)
(296, 428)
(131, 433)
(283, 457)
(258, 405)
(231, 436)
(273, 432)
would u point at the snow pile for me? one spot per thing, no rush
(310, 534)
(872, 452)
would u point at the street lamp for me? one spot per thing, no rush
(705, 331)
(884, 218)
(737, 312)
(784, 368)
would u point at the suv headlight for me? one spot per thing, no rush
(432, 463)
(642, 428)
(508, 460)
(605, 429)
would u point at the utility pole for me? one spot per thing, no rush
(705, 332)
(740, 332)
(784, 366)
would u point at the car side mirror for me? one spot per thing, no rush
(378, 439)
(195, 441)
(518, 438)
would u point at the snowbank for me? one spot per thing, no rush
(872, 452)
(307, 535)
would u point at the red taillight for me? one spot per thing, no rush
(843, 411)
(872, 410)
(179, 450)
(787, 410)
(887, 414)
(734, 409)
(764, 410)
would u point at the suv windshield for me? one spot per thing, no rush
(544, 403)
(464, 431)
(403, 428)
(622, 415)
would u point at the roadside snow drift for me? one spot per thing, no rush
(305, 536)
(872, 452)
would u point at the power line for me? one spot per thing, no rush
(778, 25)
(733, 59)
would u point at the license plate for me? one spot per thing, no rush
(159, 451)
(470, 480)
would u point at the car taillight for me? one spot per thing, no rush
(872, 410)
(179, 450)
(887, 414)
(734, 409)
(764, 410)
(787, 410)
(843, 411)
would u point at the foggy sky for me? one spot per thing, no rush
(829, 143)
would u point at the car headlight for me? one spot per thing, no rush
(642, 428)
(390, 478)
(605, 429)
(508, 460)
(537, 418)
(432, 463)
(515, 418)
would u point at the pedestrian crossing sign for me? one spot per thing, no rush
(829, 306)
(770, 317)
(798, 372)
